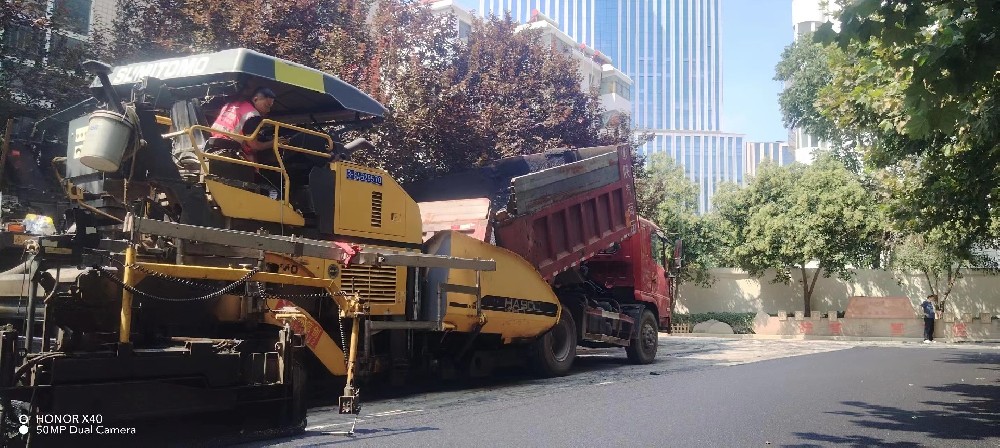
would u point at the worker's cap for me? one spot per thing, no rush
(265, 92)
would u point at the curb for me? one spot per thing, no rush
(823, 338)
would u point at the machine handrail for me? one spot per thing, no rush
(276, 145)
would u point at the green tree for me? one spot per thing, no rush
(666, 196)
(804, 68)
(789, 217)
(911, 87)
(924, 87)
(939, 258)
(807, 68)
(941, 254)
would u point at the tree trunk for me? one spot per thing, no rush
(931, 285)
(952, 277)
(808, 286)
(812, 286)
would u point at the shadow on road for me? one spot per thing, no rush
(986, 360)
(973, 414)
(976, 417)
(855, 441)
(302, 441)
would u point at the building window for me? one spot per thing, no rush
(73, 15)
(65, 48)
(614, 86)
(24, 42)
(464, 29)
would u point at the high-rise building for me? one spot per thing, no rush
(670, 50)
(756, 153)
(807, 16)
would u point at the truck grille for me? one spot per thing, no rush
(376, 209)
(376, 285)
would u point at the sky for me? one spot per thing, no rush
(754, 32)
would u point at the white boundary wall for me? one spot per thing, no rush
(735, 291)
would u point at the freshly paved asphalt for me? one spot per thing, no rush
(863, 395)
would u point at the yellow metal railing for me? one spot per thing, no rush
(276, 146)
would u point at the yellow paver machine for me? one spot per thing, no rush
(194, 288)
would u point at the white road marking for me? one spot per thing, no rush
(369, 416)
(314, 428)
(395, 412)
(606, 382)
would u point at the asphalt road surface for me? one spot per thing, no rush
(704, 392)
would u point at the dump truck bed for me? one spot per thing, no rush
(554, 209)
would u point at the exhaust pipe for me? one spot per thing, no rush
(344, 152)
(357, 144)
(102, 70)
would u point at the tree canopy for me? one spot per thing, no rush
(919, 80)
(501, 92)
(789, 217)
(291, 29)
(804, 68)
(670, 199)
(910, 87)
(453, 104)
(807, 69)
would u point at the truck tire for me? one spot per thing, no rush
(642, 347)
(553, 353)
(299, 404)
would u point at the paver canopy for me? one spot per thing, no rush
(301, 91)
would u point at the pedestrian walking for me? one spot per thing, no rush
(929, 308)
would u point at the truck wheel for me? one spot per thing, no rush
(553, 353)
(642, 347)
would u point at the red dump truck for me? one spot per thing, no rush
(572, 214)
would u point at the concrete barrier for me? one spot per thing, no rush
(735, 291)
(977, 329)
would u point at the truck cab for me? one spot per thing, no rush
(635, 270)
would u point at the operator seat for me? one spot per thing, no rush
(186, 113)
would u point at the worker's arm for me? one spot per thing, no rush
(259, 146)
